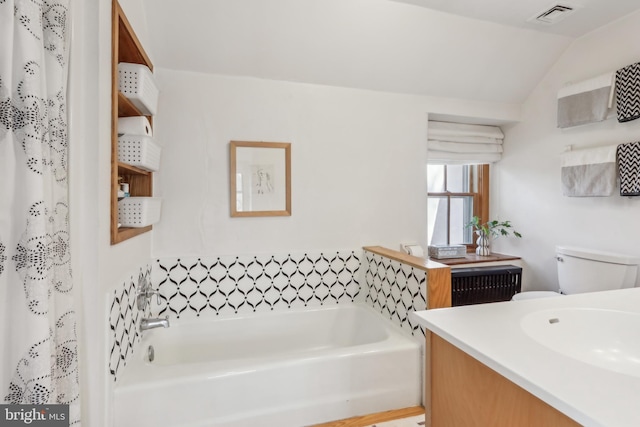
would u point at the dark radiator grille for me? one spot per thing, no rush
(477, 285)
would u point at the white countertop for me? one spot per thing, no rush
(492, 333)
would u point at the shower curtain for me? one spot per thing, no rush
(38, 346)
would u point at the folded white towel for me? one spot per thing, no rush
(589, 173)
(586, 102)
(589, 156)
(604, 80)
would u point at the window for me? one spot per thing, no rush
(455, 194)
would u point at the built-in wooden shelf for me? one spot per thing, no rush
(125, 233)
(124, 168)
(472, 258)
(126, 107)
(126, 47)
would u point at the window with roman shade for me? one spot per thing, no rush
(461, 143)
(459, 158)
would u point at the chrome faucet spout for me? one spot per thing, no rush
(153, 323)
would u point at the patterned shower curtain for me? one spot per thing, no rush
(38, 345)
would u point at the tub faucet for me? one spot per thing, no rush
(154, 323)
(145, 292)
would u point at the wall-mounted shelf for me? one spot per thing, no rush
(126, 107)
(124, 168)
(125, 48)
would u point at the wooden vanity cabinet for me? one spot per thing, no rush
(461, 391)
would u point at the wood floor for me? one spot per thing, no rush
(380, 417)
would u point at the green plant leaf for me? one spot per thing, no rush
(493, 228)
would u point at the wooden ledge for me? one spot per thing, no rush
(438, 275)
(414, 261)
(472, 258)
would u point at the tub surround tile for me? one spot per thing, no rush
(190, 287)
(395, 290)
(195, 286)
(123, 320)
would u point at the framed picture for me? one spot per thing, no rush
(260, 178)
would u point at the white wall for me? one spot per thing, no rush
(527, 187)
(97, 266)
(358, 163)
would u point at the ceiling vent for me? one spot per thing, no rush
(552, 15)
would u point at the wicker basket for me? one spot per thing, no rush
(136, 82)
(139, 211)
(139, 151)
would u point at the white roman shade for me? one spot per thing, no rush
(460, 143)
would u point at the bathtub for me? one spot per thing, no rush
(279, 369)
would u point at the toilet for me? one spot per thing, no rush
(583, 270)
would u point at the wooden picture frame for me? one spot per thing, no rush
(260, 178)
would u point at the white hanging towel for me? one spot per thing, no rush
(590, 172)
(586, 102)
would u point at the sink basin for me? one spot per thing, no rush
(608, 339)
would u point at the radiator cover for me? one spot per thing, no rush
(477, 285)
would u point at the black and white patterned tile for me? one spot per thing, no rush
(395, 290)
(193, 286)
(123, 320)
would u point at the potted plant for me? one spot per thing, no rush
(487, 230)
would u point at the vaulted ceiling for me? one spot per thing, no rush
(586, 16)
(444, 48)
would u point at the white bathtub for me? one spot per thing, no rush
(288, 369)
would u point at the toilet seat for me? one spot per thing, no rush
(534, 295)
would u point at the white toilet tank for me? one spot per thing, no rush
(584, 270)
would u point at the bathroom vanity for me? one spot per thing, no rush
(566, 361)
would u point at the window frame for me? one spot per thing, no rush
(480, 198)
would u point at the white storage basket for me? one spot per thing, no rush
(139, 151)
(136, 82)
(139, 211)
